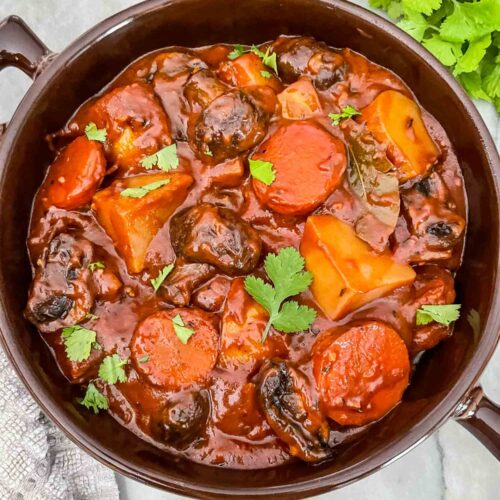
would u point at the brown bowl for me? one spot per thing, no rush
(445, 376)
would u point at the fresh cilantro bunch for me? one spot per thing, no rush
(286, 271)
(463, 35)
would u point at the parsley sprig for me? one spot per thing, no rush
(94, 400)
(463, 35)
(156, 282)
(111, 369)
(262, 171)
(95, 134)
(141, 191)
(443, 313)
(78, 342)
(267, 57)
(181, 330)
(98, 264)
(286, 271)
(166, 159)
(347, 112)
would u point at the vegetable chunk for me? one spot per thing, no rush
(396, 121)
(361, 371)
(308, 162)
(299, 100)
(243, 323)
(347, 272)
(132, 222)
(248, 70)
(75, 175)
(174, 363)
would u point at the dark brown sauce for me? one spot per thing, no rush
(237, 433)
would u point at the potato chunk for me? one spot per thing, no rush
(299, 100)
(396, 121)
(132, 223)
(248, 71)
(243, 322)
(347, 272)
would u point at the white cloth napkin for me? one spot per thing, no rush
(37, 462)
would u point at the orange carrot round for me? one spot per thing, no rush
(308, 163)
(160, 355)
(361, 371)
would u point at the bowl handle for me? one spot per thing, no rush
(480, 416)
(21, 48)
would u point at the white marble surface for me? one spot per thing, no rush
(450, 465)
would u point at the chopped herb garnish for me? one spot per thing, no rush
(237, 51)
(95, 134)
(78, 342)
(444, 314)
(91, 316)
(262, 171)
(94, 266)
(347, 112)
(267, 57)
(141, 191)
(144, 359)
(156, 282)
(207, 152)
(111, 369)
(182, 331)
(286, 271)
(166, 159)
(265, 74)
(94, 400)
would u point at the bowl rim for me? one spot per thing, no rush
(386, 455)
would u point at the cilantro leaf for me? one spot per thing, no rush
(294, 317)
(473, 85)
(473, 55)
(463, 35)
(144, 359)
(95, 134)
(78, 342)
(237, 51)
(265, 74)
(183, 332)
(262, 171)
(91, 317)
(446, 52)
(111, 369)
(156, 282)
(141, 191)
(414, 24)
(166, 159)
(94, 266)
(422, 6)
(207, 152)
(94, 399)
(443, 314)
(471, 20)
(257, 287)
(286, 271)
(346, 112)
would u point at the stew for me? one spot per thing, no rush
(240, 252)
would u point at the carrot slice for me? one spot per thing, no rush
(75, 175)
(308, 163)
(164, 360)
(361, 371)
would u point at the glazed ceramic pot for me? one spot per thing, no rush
(444, 383)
